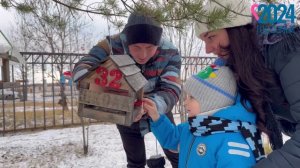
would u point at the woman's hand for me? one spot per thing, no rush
(150, 109)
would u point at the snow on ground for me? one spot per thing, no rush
(63, 148)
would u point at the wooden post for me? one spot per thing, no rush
(5, 70)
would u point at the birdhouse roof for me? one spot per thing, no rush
(122, 60)
(130, 70)
(132, 73)
(136, 81)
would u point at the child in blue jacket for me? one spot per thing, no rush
(217, 133)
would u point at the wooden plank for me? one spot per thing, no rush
(110, 66)
(6, 85)
(84, 85)
(7, 97)
(107, 100)
(108, 63)
(130, 70)
(137, 109)
(102, 115)
(5, 71)
(136, 81)
(4, 55)
(122, 60)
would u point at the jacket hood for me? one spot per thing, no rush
(237, 112)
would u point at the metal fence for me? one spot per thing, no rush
(41, 96)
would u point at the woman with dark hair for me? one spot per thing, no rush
(267, 66)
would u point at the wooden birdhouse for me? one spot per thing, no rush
(112, 92)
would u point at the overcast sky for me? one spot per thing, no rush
(7, 18)
(98, 24)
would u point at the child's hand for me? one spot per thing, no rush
(150, 109)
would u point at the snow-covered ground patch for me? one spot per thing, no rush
(63, 148)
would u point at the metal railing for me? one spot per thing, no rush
(40, 96)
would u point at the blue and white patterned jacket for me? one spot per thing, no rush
(217, 150)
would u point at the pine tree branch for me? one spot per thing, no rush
(127, 6)
(88, 11)
(231, 9)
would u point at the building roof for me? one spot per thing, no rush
(7, 50)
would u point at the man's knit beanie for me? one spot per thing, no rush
(142, 29)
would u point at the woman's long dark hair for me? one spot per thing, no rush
(253, 77)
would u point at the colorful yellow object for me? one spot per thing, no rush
(212, 75)
(208, 72)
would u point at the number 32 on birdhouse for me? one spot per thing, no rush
(104, 75)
